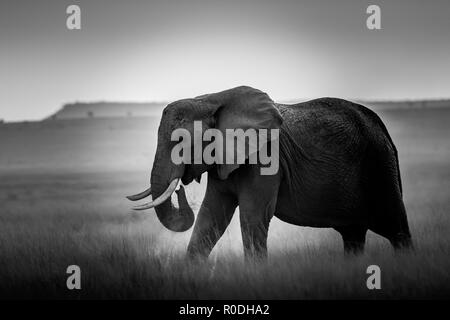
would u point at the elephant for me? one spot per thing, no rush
(338, 168)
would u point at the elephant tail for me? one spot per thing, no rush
(397, 163)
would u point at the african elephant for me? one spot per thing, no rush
(338, 168)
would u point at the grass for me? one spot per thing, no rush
(55, 214)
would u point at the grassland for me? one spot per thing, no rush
(62, 188)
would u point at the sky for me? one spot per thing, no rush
(168, 50)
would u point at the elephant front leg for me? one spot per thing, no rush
(254, 237)
(213, 218)
(256, 211)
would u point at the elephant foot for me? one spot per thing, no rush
(402, 241)
(354, 238)
(352, 248)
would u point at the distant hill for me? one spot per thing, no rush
(80, 110)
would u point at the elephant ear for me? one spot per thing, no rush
(242, 108)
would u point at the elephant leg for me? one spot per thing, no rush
(354, 238)
(254, 237)
(213, 218)
(391, 222)
(399, 236)
(387, 209)
(401, 241)
(257, 203)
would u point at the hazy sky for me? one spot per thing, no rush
(166, 50)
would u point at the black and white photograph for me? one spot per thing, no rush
(206, 150)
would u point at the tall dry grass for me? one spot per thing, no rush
(62, 206)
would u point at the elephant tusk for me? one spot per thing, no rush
(162, 198)
(141, 195)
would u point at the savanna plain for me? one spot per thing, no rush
(62, 202)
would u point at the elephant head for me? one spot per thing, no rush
(237, 108)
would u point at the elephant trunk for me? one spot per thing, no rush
(164, 173)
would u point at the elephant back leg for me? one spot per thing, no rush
(391, 222)
(387, 213)
(354, 238)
